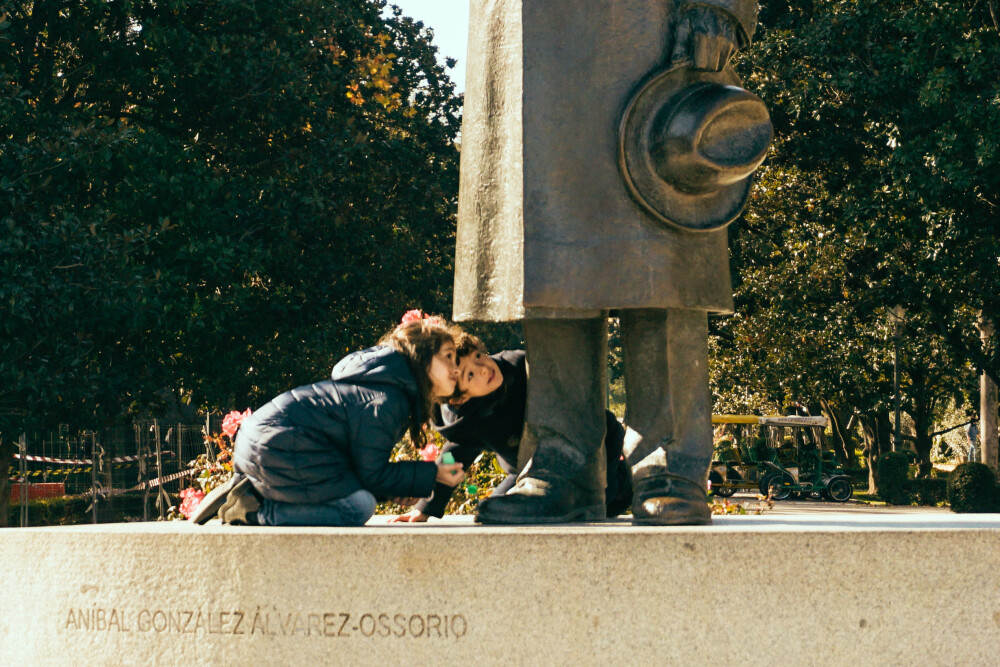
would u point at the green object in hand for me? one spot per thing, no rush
(448, 459)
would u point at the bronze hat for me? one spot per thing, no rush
(688, 144)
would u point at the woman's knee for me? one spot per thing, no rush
(362, 504)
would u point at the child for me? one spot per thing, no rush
(487, 413)
(318, 455)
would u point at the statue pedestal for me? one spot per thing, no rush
(830, 587)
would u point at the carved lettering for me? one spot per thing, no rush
(205, 622)
(346, 618)
(361, 625)
(286, 624)
(398, 620)
(257, 625)
(454, 628)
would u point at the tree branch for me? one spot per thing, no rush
(949, 430)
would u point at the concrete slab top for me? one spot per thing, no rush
(777, 521)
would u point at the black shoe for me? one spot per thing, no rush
(668, 500)
(534, 501)
(241, 505)
(210, 504)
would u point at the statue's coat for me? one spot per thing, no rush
(545, 220)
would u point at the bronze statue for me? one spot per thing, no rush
(605, 147)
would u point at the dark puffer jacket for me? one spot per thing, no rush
(324, 441)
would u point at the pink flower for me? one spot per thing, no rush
(232, 421)
(430, 452)
(192, 497)
(414, 315)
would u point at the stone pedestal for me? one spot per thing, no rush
(827, 589)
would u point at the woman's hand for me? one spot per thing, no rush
(405, 502)
(450, 474)
(413, 516)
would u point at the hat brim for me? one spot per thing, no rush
(665, 202)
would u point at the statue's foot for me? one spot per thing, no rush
(534, 500)
(667, 500)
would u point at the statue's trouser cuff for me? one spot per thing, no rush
(668, 406)
(567, 383)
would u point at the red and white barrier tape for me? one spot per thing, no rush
(84, 462)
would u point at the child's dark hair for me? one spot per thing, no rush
(418, 341)
(465, 344)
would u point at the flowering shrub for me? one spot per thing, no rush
(231, 422)
(209, 472)
(430, 452)
(480, 478)
(190, 499)
(725, 507)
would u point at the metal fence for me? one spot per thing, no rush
(147, 460)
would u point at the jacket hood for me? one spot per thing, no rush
(446, 421)
(380, 365)
(454, 421)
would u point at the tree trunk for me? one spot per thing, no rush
(987, 407)
(842, 443)
(922, 414)
(6, 461)
(988, 422)
(876, 428)
(924, 443)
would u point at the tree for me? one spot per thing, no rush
(216, 200)
(879, 189)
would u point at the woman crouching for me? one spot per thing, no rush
(318, 455)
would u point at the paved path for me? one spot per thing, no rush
(823, 507)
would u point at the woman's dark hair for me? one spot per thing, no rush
(418, 342)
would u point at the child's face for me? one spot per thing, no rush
(478, 375)
(443, 371)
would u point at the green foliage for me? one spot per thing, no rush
(74, 510)
(972, 488)
(211, 200)
(881, 188)
(484, 474)
(893, 469)
(930, 491)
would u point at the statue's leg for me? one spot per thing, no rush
(564, 478)
(669, 414)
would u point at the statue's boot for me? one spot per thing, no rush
(562, 447)
(669, 415)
